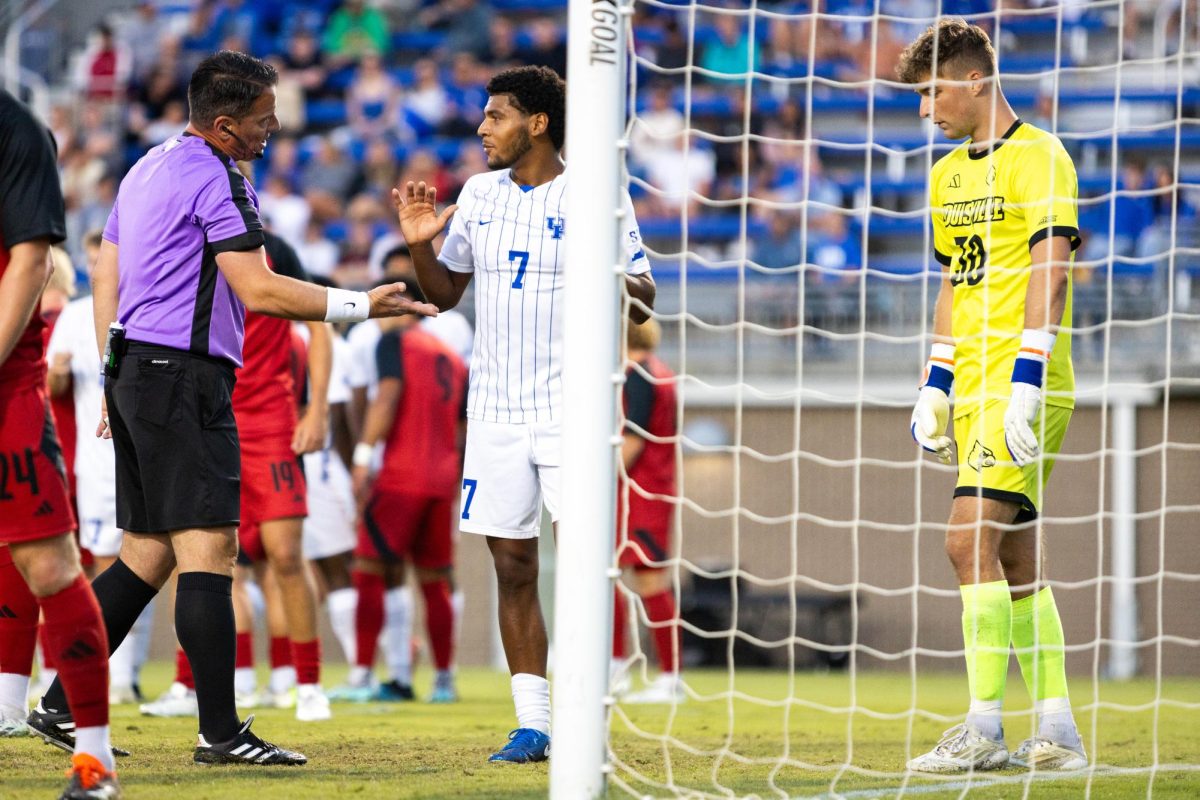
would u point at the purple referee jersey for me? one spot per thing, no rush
(182, 204)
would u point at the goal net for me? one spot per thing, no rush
(780, 177)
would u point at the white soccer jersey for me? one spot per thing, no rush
(95, 467)
(449, 326)
(511, 238)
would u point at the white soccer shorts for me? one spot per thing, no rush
(509, 470)
(101, 537)
(329, 526)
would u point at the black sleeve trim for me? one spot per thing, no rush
(1058, 230)
(639, 399)
(283, 258)
(998, 494)
(942, 258)
(389, 362)
(250, 240)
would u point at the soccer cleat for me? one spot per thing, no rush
(962, 749)
(246, 699)
(525, 745)
(349, 693)
(393, 692)
(1042, 754)
(246, 748)
(12, 722)
(123, 695)
(311, 703)
(177, 701)
(90, 780)
(666, 688)
(443, 689)
(57, 729)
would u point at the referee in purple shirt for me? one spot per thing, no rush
(182, 258)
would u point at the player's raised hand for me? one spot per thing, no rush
(416, 207)
(390, 300)
(929, 420)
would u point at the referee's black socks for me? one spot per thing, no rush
(122, 595)
(204, 625)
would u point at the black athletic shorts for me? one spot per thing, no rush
(176, 440)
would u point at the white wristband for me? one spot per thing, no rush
(1036, 344)
(342, 305)
(363, 454)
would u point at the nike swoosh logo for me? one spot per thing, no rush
(349, 306)
(485, 222)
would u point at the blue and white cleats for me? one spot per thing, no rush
(525, 745)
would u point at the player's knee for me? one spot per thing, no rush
(287, 562)
(963, 551)
(48, 566)
(515, 569)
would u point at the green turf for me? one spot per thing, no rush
(417, 750)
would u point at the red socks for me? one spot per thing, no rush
(620, 623)
(79, 645)
(280, 652)
(244, 653)
(660, 609)
(183, 669)
(306, 657)
(368, 616)
(439, 622)
(18, 619)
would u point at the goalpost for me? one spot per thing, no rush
(773, 357)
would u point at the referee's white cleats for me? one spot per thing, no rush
(930, 417)
(962, 749)
(1042, 754)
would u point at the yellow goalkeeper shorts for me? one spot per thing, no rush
(986, 468)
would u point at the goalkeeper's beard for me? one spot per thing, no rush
(522, 145)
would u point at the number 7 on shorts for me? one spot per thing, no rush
(469, 486)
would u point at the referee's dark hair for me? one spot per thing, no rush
(227, 84)
(536, 90)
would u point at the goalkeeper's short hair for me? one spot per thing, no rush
(951, 44)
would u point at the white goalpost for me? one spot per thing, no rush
(785, 208)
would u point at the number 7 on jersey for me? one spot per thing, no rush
(513, 255)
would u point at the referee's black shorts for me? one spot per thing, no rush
(176, 440)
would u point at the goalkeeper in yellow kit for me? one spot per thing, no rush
(1005, 223)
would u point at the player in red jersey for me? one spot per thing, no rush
(39, 560)
(644, 517)
(406, 509)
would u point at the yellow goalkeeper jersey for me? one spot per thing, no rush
(989, 208)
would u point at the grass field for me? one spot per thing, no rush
(422, 751)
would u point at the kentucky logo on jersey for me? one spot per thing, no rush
(555, 226)
(981, 209)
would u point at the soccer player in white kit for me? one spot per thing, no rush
(72, 356)
(509, 232)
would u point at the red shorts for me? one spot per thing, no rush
(398, 526)
(34, 503)
(273, 487)
(645, 541)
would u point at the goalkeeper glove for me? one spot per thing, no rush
(1026, 400)
(932, 412)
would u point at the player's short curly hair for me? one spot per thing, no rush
(957, 43)
(227, 84)
(536, 90)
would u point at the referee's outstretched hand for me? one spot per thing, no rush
(416, 208)
(390, 300)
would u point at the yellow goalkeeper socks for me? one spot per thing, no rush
(987, 629)
(1037, 636)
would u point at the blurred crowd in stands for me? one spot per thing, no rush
(372, 94)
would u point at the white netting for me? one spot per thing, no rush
(780, 176)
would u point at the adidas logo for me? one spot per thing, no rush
(44, 509)
(5, 611)
(78, 650)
